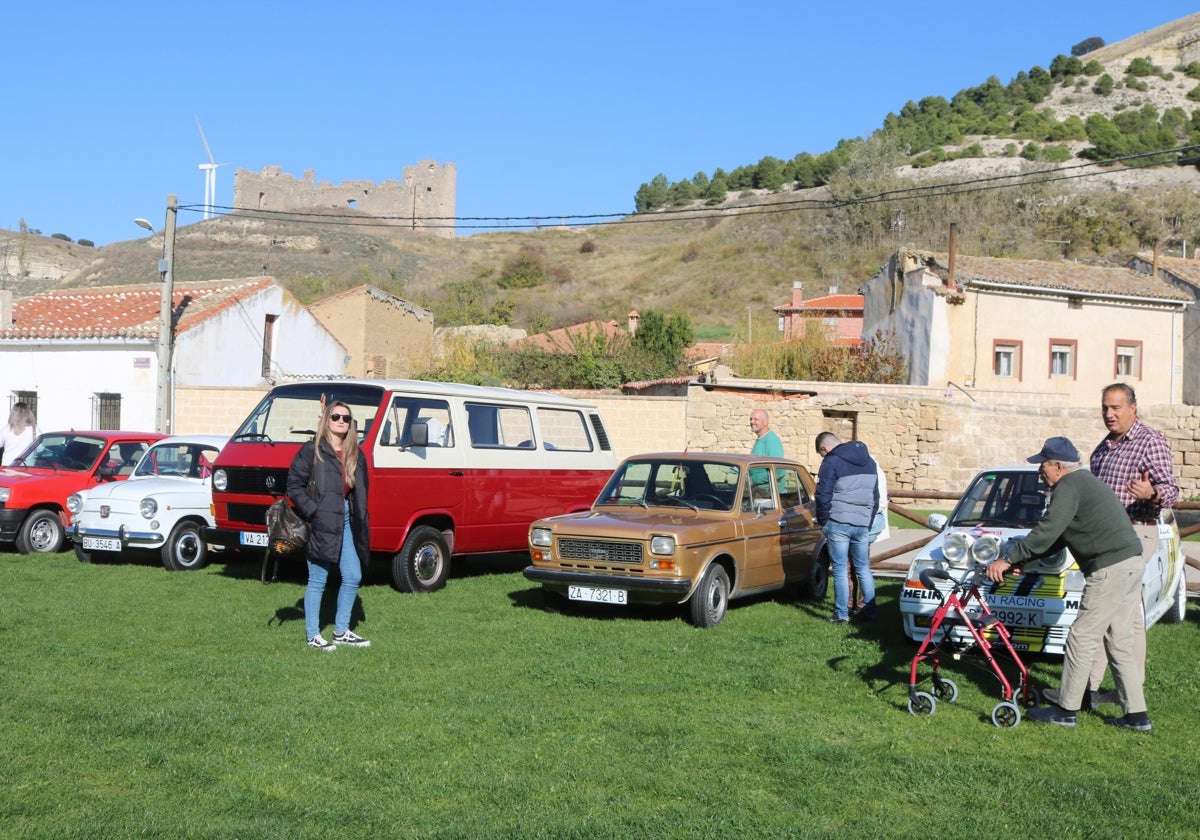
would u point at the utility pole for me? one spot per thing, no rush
(164, 409)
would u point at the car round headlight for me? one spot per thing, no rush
(956, 547)
(985, 550)
(74, 503)
(541, 537)
(220, 480)
(148, 508)
(662, 545)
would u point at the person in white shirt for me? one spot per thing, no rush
(19, 432)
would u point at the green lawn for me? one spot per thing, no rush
(138, 702)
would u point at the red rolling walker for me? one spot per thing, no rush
(964, 609)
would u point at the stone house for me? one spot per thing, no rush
(88, 357)
(386, 337)
(841, 316)
(1029, 326)
(1184, 276)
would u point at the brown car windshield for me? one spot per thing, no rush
(700, 485)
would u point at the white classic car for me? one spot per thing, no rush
(1039, 605)
(162, 506)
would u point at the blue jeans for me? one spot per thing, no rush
(850, 543)
(318, 573)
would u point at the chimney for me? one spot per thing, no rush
(797, 294)
(950, 281)
(6, 309)
(1154, 274)
(633, 322)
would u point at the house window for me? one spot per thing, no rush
(268, 343)
(1062, 357)
(1129, 359)
(106, 411)
(1006, 359)
(27, 397)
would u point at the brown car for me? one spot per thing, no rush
(686, 528)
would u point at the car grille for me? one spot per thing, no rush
(248, 514)
(600, 551)
(256, 480)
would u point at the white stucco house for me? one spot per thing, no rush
(1030, 326)
(88, 359)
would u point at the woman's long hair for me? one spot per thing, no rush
(21, 417)
(349, 445)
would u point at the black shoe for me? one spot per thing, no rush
(1052, 714)
(833, 619)
(1091, 699)
(1137, 722)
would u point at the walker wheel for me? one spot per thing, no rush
(1035, 698)
(922, 704)
(945, 690)
(1006, 715)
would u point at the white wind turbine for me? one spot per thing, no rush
(210, 175)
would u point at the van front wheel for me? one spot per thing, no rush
(423, 563)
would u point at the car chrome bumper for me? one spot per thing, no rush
(674, 587)
(135, 539)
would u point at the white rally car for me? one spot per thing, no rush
(162, 506)
(1039, 605)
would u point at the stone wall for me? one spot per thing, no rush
(926, 442)
(923, 442)
(424, 200)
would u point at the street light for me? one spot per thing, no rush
(164, 401)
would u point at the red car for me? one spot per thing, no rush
(34, 488)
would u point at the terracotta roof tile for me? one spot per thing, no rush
(123, 311)
(563, 340)
(1186, 270)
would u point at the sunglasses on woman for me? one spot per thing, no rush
(336, 417)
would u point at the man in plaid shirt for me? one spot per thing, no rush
(1135, 461)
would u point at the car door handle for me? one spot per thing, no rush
(458, 473)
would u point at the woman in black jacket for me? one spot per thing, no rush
(327, 483)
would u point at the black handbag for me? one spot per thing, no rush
(287, 533)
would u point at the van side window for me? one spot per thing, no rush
(564, 429)
(404, 411)
(500, 426)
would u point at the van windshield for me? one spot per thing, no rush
(290, 413)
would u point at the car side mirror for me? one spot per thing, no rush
(107, 471)
(761, 506)
(937, 521)
(420, 433)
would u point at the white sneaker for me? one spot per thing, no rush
(320, 644)
(350, 639)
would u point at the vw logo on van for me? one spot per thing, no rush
(271, 483)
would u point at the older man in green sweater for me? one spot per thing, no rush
(1087, 517)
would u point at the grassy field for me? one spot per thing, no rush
(138, 702)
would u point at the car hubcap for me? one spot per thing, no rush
(188, 549)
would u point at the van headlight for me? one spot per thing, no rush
(662, 545)
(148, 508)
(74, 503)
(541, 537)
(220, 480)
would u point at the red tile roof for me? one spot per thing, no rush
(564, 340)
(828, 303)
(123, 311)
(1186, 270)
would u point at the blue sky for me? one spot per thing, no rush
(545, 108)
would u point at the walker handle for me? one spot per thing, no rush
(928, 576)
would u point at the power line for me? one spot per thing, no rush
(915, 192)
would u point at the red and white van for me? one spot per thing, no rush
(455, 469)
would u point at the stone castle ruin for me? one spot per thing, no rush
(423, 201)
